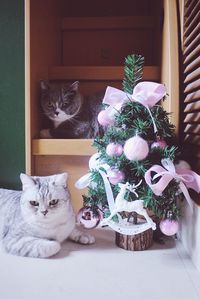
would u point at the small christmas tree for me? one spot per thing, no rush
(133, 171)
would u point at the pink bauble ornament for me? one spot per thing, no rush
(114, 149)
(136, 148)
(169, 227)
(159, 143)
(104, 119)
(89, 219)
(182, 164)
(115, 176)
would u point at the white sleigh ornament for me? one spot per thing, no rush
(123, 226)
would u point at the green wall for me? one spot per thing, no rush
(12, 135)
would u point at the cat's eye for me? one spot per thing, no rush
(50, 105)
(53, 202)
(66, 104)
(34, 203)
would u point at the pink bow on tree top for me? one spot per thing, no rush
(185, 177)
(146, 93)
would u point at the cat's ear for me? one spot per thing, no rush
(61, 179)
(74, 86)
(27, 181)
(71, 89)
(44, 85)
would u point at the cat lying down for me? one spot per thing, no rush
(34, 222)
(72, 115)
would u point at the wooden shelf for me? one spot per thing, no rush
(112, 73)
(73, 147)
(101, 23)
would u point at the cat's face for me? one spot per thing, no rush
(60, 102)
(45, 199)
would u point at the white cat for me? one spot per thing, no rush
(35, 221)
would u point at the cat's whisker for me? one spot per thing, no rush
(73, 120)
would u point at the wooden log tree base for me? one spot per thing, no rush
(136, 242)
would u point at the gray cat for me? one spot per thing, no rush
(72, 115)
(34, 222)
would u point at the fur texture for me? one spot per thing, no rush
(34, 222)
(72, 115)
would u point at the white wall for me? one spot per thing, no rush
(190, 232)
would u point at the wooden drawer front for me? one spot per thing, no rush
(106, 47)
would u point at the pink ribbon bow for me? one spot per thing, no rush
(186, 178)
(146, 93)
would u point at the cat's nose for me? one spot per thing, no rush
(56, 113)
(44, 212)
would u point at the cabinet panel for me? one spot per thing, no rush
(12, 149)
(106, 47)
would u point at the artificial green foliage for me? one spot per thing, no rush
(132, 72)
(134, 119)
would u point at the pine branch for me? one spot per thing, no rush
(133, 71)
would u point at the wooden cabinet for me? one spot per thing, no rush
(87, 43)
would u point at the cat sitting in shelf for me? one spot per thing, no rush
(72, 115)
(34, 222)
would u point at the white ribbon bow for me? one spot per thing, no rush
(166, 174)
(96, 164)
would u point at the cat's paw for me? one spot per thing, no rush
(33, 247)
(45, 133)
(49, 248)
(86, 239)
(82, 238)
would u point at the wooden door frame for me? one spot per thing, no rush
(27, 87)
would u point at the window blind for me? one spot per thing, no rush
(191, 82)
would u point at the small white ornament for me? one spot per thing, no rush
(136, 148)
(126, 228)
(94, 164)
(122, 205)
(95, 161)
